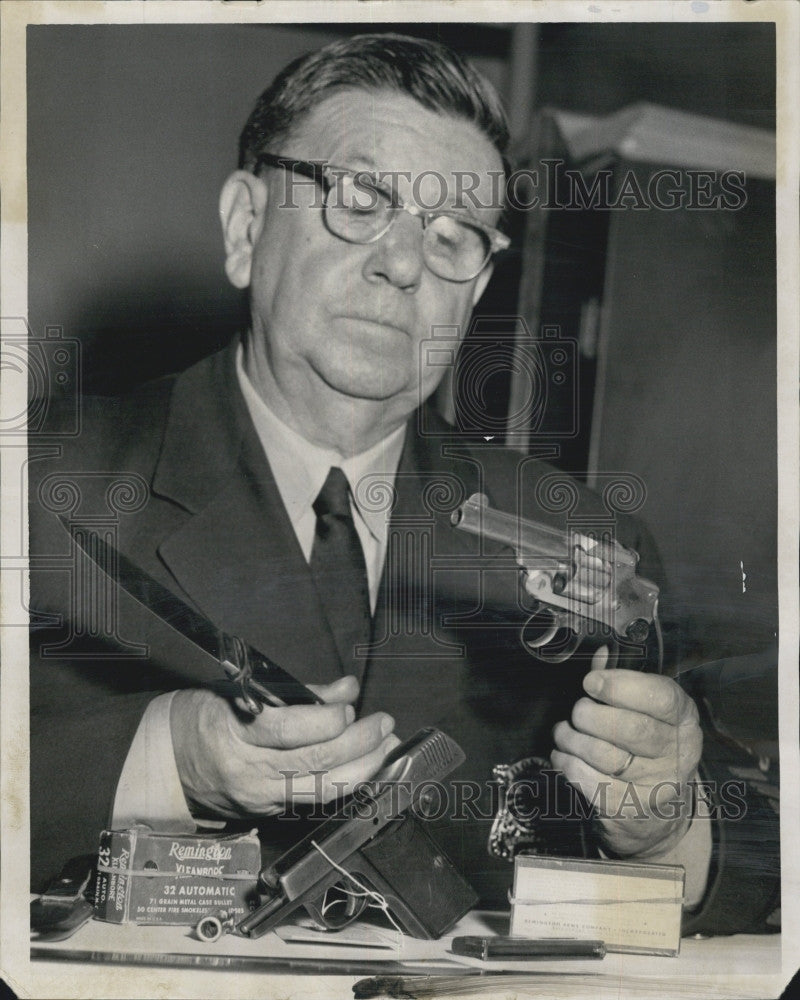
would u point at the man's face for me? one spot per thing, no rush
(335, 317)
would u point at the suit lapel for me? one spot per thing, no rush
(236, 555)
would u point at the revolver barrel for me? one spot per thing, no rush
(478, 518)
(573, 574)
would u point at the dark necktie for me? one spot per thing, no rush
(339, 571)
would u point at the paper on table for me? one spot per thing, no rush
(357, 935)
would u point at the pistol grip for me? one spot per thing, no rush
(424, 891)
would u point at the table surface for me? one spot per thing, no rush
(122, 960)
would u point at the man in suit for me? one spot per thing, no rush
(314, 425)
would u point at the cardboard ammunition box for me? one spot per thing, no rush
(631, 906)
(161, 878)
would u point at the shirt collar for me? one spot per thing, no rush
(300, 467)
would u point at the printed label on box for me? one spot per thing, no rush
(160, 878)
(631, 906)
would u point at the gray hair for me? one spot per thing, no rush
(433, 74)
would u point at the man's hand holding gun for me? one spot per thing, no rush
(632, 746)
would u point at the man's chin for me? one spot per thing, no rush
(374, 379)
(367, 389)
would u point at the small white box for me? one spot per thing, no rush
(632, 906)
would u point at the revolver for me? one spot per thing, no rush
(583, 586)
(373, 849)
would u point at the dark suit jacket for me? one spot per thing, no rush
(176, 478)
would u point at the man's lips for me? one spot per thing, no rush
(383, 322)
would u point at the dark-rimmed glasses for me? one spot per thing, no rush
(358, 208)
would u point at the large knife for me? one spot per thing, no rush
(259, 679)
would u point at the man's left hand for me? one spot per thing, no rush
(632, 749)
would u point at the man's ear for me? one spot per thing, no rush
(481, 282)
(241, 210)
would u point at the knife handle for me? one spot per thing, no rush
(63, 908)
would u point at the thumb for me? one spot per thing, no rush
(344, 690)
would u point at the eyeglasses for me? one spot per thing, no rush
(358, 208)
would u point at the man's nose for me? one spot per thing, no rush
(397, 256)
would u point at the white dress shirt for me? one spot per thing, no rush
(300, 469)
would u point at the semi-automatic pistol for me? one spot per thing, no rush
(374, 850)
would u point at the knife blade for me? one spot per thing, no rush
(260, 680)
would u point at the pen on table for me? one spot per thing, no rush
(522, 949)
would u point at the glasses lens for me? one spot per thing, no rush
(356, 208)
(454, 249)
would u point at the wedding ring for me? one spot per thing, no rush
(625, 766)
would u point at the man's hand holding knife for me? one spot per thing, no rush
(234, 764)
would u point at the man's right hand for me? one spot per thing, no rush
(232, 765)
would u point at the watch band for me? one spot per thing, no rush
(538, 812)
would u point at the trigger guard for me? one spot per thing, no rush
(537, 644)
(353, 907)
(539, 648)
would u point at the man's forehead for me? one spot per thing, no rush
(394, 135)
